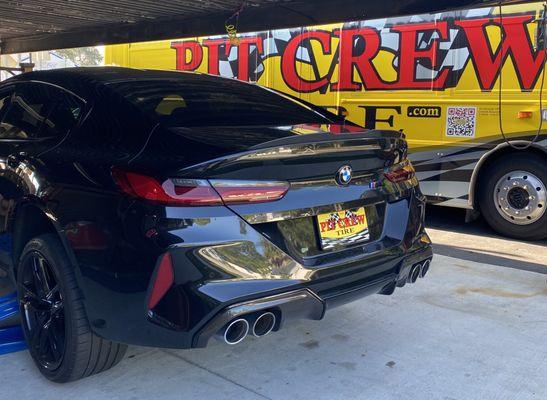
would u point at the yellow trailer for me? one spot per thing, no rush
(464, 86)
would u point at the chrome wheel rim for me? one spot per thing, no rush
(520, 197)
(42, 311)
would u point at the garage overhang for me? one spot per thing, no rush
(35, 25)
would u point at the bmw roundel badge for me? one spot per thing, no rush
(343, 176)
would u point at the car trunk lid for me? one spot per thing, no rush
(310, 163)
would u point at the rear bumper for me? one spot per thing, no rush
(224, 268)
(305, 303)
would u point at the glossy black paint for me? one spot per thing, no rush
(223, 257)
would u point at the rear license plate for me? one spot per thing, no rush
(343, 228)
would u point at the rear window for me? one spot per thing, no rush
(200, 100)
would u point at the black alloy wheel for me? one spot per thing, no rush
(42, 311)
(58, 334)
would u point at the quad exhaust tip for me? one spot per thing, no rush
(418, 270)
(264, 324)
(415, 272)
(425, 268)
(236, 331)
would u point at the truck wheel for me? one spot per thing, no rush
(54, 323)
(513, 196)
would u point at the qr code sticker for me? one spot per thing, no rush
(461, 121)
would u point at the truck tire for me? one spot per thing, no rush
(513, 196)
(54, 322)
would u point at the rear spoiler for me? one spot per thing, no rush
(315, 138)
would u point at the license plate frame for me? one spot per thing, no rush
(342, 228)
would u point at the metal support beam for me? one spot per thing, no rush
(199, 19)
(23, 67)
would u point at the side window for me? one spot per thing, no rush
(38, 111)
(27, 110)
(64, 115)
(5, 101)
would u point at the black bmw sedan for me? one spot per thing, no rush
(165, 208)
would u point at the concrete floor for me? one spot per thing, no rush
(475, 328)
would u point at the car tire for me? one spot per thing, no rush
(54, 322)
(512, 196)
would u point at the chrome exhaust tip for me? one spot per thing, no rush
(414, 273)
(425, 268)
(264, 324)
(236, 331)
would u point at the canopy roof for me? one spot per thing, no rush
(34, 25)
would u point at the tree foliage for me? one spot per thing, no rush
(83, 56)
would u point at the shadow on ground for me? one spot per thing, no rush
(476, 241)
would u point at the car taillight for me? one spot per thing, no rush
(198, 192)
(400, 175)
(243, 192)
(177, 192)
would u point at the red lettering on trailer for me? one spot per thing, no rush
(409, 55)
(362, 62)
(213, 46)
(288, 62)
(515, 43)
(243, 50)
(196, 55)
